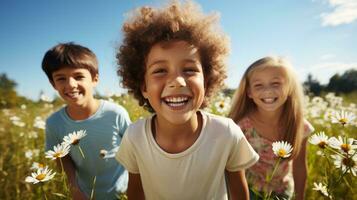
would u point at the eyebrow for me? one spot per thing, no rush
(59, 75)
(165, 61)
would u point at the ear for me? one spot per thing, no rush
(143, 90)
(249, 93)
(95, 79)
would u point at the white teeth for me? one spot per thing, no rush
(73, 94)
(268, 100)
(176, 104)
(176, 99)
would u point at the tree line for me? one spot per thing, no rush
(340, 84)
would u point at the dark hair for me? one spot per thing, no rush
(178, 21)
(69, 55)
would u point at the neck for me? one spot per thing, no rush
(81, 112)
(168, 130)
(176, 138)
(271, 117)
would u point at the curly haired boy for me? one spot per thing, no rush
(172, 60)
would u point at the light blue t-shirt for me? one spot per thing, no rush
(104, 130)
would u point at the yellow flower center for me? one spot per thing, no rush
(349, 162)
(221, 104)
(40, 177)
(75, 141)
(40, 165)
(345, 147)
(57, 155)
(322, 144)
(281, 152)
(343, 121)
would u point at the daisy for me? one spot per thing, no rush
(75, 137)
(108, 154)
(42, 175)
(343, 117)
(36, 165)
(344, 144)
(29, 154)
(282, 149)
(319, 139)
(222, 105)
(321, 188)
(59, 151)
(39, 123)
(347, 164)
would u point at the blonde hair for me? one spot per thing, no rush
(292, 121)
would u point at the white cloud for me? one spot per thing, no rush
(324, 71)
(334, 66)
(327, 57)
(344, 12)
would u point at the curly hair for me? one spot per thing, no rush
(177, 21)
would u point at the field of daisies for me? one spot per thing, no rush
(28, 172)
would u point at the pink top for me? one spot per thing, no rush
(282, 182)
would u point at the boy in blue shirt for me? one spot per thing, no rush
(73, 72)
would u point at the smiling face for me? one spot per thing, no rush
(174, 81)
(75, 85)
(268, 88)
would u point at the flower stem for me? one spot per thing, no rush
(92, 192)
(80, 149)
(43, 191)
(267, 193)
(63, 177)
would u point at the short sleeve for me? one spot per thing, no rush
(123, 120)
(242, 154)
(308, 128)
(51, 137)
(126, 154)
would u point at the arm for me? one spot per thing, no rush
(70, 171)
(135, 189)
(237, 185)
(300, 171)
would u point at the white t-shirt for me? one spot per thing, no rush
(196, 173)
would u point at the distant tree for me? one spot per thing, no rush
(345, 83)
(313, 85)
(8, 95)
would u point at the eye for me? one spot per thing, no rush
(79, 77)
(275, 84)
(257, 86)
(191, 70)
(60, 79)
(158, 71)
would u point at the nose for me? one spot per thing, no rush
(267, 89)
(72, 83)
(177, 81)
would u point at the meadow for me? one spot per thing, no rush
(22, 146)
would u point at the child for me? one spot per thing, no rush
(172, 60)
(73, 71)
(268, 107)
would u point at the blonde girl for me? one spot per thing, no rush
(268, 107)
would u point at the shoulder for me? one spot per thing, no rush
(223, 126)
(308, 128)
(112, 107)
(55, 117)
(136, 129)
(245, 123)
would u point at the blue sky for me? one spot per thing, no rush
(318, 36)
